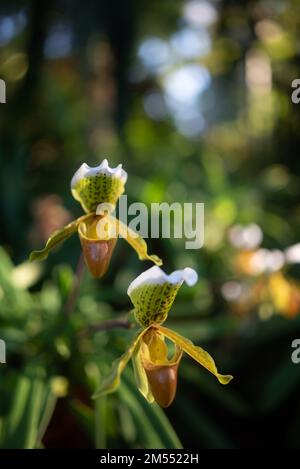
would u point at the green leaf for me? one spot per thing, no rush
(13, 300)
(85, 416)
(24, 425)
(111, 382)
(154, 428)
(208, 432)
(100, 422)
(280, 384)
(203, 383)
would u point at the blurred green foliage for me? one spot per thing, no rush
(104, 81)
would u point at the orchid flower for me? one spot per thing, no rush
(97, 190)
(152, 294)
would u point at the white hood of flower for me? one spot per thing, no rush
(87, 171)
(156, 276)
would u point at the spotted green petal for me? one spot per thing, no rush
(57, 238)
(98, 185)
(135, 241)
(197, 353)
(111, 382)
(153, 292)
(140, 375)
(153, 302)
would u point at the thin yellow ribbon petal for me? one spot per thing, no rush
(111, 382)
(135, 241)
(140, 376)
(57, 238)
(197, 353)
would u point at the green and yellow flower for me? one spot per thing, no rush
(152, 294)
(98, 190)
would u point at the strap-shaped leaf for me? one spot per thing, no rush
(197, 353)
(57, 238)
(111, 382)
(135, 241)
(152, 302)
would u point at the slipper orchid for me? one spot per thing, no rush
(152, 294)
(97, 190)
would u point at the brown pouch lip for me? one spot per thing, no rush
(163, 382)
(162, 376)
(97, 252)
